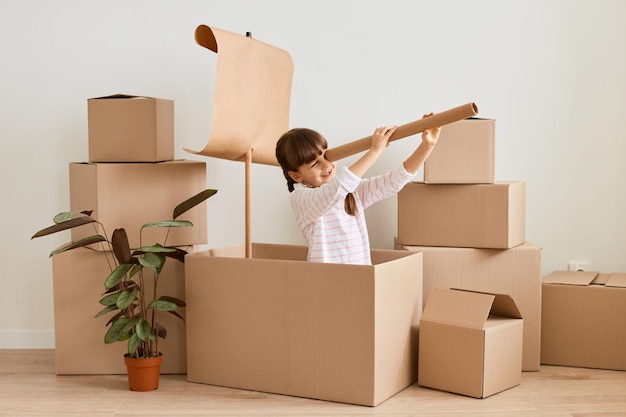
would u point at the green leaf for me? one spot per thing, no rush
(163, 305)
(177, 301)
(107, 309)
(66, 215)
(68, 224)
(133, 344)
(153, 260)
(115, 331)
(192, 202)
(83, 242)
(126, 298)
(109, 300)
(156, 248)
(169, 223)
(143, 330)
(117, 275)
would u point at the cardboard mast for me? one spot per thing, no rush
(250, 103)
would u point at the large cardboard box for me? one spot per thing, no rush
(470, 343)
(78, 285)
(130, 195)
(125, 128)
(462, 215)
(584, 320)
(277, 323)
(465, 154)
(515, 272)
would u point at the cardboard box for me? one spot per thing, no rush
(78, 285)
(465, 154)
(130, 195)
(584, 320)
(515, 272)
(125, 128)
(463, 215)
(470, 343)
(277, 323)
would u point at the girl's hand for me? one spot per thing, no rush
(430, 136)
(380, 138)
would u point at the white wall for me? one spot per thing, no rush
(551, 72)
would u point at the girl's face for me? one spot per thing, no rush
(315, 173)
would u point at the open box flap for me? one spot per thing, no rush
(251, 98)
(504, 306)
(617, 279)
(458, 307)
(570, 277)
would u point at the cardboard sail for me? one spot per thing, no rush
(251, 97)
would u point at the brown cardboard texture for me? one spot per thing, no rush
(465, 154)
(251, 97)
(277, 323)
(515, 272)
(79, 335)
(126, 128)
(470, 343)
(584, 320)
(462, 215)
(130, 195)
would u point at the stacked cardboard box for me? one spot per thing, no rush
(583, 320)
(470, 228)
(131, 179)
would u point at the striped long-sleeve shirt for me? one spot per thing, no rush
(334, 236)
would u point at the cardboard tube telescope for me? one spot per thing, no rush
(438, 119)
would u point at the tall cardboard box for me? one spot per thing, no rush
(462, 215)
(584, 320)
(124, 128)
(78, 285)
(277, 323)
(130, 195)
(470, 343)
(515, 272)
(465, 153)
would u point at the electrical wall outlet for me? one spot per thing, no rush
(578, 266)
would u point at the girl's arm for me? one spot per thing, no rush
(380, 139)
(429, 139)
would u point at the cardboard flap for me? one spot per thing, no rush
(251, 97)
(504, 306)
(458, 307)
(617, 280)
(570, 277)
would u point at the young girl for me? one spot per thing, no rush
(329, 204)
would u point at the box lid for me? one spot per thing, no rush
(617, 279)
(570, 277)
(119, 95)
(467, 308)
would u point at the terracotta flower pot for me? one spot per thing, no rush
(143, 373)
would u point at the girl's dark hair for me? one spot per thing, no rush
(297, 147)
(300, 146)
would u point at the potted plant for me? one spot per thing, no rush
(133, 304)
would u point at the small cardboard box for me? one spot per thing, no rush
(584, 320)
(130, 195)
(470, 343)
(462, 215)
(78, 284)
(125, 128)
(465, 154)
(515, 272)
(277, 323)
